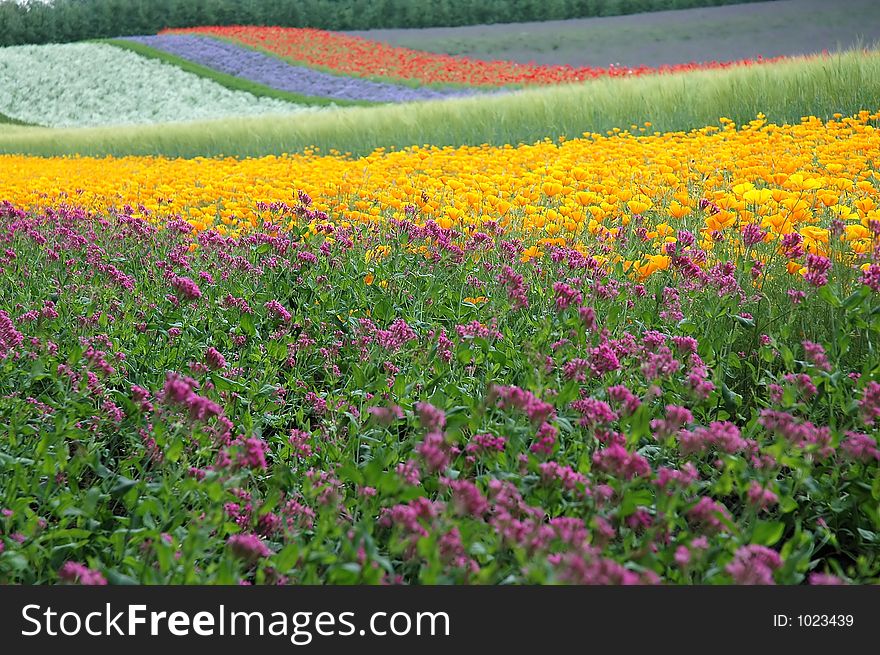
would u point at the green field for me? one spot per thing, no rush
(844, 82)
(27, 21)
(740, 31)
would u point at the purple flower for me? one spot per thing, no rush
(752, 234)
(817, 270)
(871, 277)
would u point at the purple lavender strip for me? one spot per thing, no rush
(275, 73)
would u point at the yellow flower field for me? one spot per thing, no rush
(786, 178)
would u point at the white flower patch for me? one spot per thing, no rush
(92, 84)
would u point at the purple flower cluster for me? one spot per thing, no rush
(278, 74)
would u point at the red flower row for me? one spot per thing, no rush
(359, 57)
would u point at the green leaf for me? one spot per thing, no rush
(225, 384)
(826, 294)
(732, 400)
(855, 299)
(767, 533)
(867, 535)
(632, 500)
(115, 577)
(122, 485)
(247, 324)
(286, 558)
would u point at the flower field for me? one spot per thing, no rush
(276, 73)
(360, 57)
(628, 358)
(843, 83)
(86, 84)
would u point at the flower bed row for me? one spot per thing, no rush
(271, 71)
(360, 57)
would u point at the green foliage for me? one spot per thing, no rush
(74, 20)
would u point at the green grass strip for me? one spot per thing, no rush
(844, 82)
(230, 81)
(8, 120)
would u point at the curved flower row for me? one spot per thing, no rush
(92, 84)
(256, 66)
(360, 57)
(819, 185)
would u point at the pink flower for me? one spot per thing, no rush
(761, 497)
(567, 476)
(434, 451)
(467, 499)
(816, 355)
(754, 565)
(186, 288)
(300, 441)
(871, 277)
(537, 410)
(588, 316)
(860, 447)
(709, 513)
(682, 556)
(723, 435)
(277, 310)
(386, 415)
(253, 453)
(870, 403)
(545, 439)
(214, 359)
(76, 573)
(566, 295)
(603, 359)
(676, 418)
(817, 270)
(616, 460)
(485, 443)
(248, 547)
(409, 471)
(595, 412)
(628, 401)
(10, 338)
(752, 235)
(432, 418)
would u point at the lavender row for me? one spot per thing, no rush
(275, 73)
